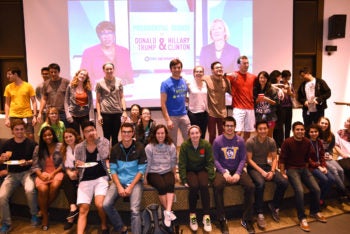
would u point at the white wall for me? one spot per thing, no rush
(336, 67)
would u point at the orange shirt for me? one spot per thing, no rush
(81, 98)
(242, 90)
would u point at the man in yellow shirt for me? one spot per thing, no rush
(19, 96)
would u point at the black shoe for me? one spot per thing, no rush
(224, 227)
(248, 226)
(274, 212)
(68, 225)
(105, 231)
(72, 214)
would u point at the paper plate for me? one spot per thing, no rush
(13, 162)
(88, 164)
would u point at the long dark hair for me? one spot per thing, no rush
(153, 139)
(257, 87)
(325, 135)
(43, 149)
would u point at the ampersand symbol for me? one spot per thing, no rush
(162, 45)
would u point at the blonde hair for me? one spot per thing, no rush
(223, 23)
(86, 84)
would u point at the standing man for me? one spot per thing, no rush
(173, 93)
(128, 163)
(230, 158)
(53, 93)
(45, 74)
(18, 97)
(217, 86)
(21, 149)
(294, 165)
(312, 94)
(261, 149)
(242, 97)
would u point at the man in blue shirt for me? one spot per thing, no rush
(173, 101)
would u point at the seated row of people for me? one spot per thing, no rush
(83, 169)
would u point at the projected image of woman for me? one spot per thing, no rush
(219, 50)
(107, 51)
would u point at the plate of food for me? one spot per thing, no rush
(13, 162)
(88, 164)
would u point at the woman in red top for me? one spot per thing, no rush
(47, 165)
(78, 103)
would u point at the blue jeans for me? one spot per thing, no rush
(296, 178)
(11, 182)
(325, 182)
(259, 181)
(338, 173)
(135, 205)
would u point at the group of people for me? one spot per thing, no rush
(146, 153)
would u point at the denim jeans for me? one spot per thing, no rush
(296, 178)
(259, 181)
(325, 182)
(135, 205)
(11, 182)
(338, 173)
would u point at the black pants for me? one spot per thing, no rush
(199, 119)
(311, 117)
(163, 183)
(77, 123)
(70, 188)
(283, 125)
(249, 190)
(198, 182)
(111, 125)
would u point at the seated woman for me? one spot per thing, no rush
(317, 164)
(70, 179)
(145, 127)
(196, 169)
(161, 169)
(328, 140)
(47, 165)
(91, 157)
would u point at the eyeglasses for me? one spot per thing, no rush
(229, 126)
(126, 132)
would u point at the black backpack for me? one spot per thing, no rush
(152, 220)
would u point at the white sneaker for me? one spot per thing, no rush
(167, 218)
(207, 223)
(193, 222)
(172, 215)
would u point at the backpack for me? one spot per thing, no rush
(152, 220)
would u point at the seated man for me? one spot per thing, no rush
(19, 150)
(127, 166)
(230, 158)
(294, 164)
(91, 158)
(259, 149)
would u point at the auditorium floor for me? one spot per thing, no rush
(288, 219)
